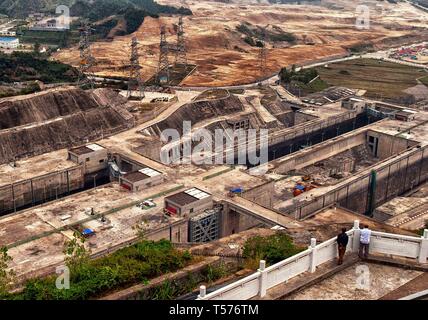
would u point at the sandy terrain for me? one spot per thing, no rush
(223, 58)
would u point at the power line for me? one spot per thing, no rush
(87, 61)
(163, 67)
(263, 54)
(135, 82)
(181, 51)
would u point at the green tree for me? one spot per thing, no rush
(273, 249)
(37, 48)
(76, 254)
(7, 277)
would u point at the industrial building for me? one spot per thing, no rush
(92, 156)
(189, 202)
(143, 178)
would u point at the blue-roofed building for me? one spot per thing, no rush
(9, 43)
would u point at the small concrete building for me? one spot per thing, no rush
(354, 104)
(189, 202)
(405, 115)
(141, 179)
(93, 156)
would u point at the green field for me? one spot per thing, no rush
(381, 79)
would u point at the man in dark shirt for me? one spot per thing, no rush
(342, 242)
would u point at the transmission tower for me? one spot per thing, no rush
(181, 52)
(263, 55)
(135, 82)
(163, 67)
(87, 61)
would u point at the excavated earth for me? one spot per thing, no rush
(323, 30)
(51, 120)
(198, 112)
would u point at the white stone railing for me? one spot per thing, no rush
(258, 283)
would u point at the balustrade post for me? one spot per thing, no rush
(312, 247)
(202, 292)
(423, 249)
(356, 237)
(262, 278)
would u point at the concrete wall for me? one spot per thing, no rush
(177, 233)
(394, 177)
(258, 283)
(232, 222)
(389, 145)
(263, 194)
(126, 164)
(40, 189)
(308, 127)
(300, 118)
(325, 150)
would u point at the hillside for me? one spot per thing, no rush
(21, 8)
(222, 38)
(92, 9)
(26, 67)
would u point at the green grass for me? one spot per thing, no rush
(315, 86)
(379, 78)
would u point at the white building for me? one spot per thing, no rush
(7, 33)
(9, 43)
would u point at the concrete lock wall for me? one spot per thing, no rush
(389, 145)
(262, 195)
(258, 283)
(40, 189)
(176, 233)
(309, 127)
(126, 164)
(394, 176)
(232, 222)
(320, 152)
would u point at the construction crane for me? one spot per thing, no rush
(135, 82)
(87, 61)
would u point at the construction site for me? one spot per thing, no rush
(217, 36)
(85, 159)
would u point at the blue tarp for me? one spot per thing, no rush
(87, 231)
(300, 187)
(237, 190)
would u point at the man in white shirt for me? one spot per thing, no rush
(365, 235)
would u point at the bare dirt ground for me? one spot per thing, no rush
(223, 58)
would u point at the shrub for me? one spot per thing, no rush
(125, 267)
(273, 249)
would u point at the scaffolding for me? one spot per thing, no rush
(135, 82)
(87, 61)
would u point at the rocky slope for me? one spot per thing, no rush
(39, 123)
